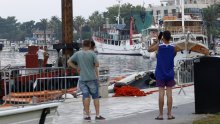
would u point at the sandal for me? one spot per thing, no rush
(170, 118)
(159, 118)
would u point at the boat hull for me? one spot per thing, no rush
(123, 49)
(23, 49)
(28, 114)
(118, 50)
(145, 53)
(139, 80)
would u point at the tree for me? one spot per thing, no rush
(78, 23)
(44, 27)
(210, 15)
(9, 28)
(27, 28)
(55, 25)
(95, 21)
(126, 11)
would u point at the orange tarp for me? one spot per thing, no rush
(41, 96)
(36, 93)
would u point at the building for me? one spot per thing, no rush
(38, 35)
(173, 7)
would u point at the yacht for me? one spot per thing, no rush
(184, 20)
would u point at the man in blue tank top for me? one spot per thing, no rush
(164, 71)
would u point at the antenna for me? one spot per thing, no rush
(118, 17)
(143, 4)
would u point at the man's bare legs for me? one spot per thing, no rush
(169, 102)
(96, 104)
(86, 103)
(161, 101)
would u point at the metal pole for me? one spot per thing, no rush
(183, 16)
(118, 18)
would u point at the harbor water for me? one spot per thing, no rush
(118, 64)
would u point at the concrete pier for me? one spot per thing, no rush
(131, 110)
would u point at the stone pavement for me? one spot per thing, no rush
(131, 110)
(184, 114)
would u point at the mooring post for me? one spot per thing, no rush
(67, 29)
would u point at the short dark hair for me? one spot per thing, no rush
(167, 35)
(92, 44)
(86, 43)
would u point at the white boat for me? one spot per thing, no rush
(28, 101)
(33, 114)
(137, 79)
(121, 45)
(118, 40)
(148, 37)
(192, 47)
(187, 29)
(172, 17)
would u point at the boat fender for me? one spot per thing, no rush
(152, 81)
(67, 96)
(44, 115)
(151, 75)
(138, 77)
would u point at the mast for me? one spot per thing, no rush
(119, 6)
(183, 27)
(183, 15)
(131, 29)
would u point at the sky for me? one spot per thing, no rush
(26, 10)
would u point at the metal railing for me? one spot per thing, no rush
(23, 86)
(178, 29)
(184, 72)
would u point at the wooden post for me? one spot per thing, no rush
(67, 28)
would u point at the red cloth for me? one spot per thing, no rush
(128, 91)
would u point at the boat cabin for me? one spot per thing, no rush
(175, 26)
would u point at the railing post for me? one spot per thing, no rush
(65, 81)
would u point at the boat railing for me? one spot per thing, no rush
(178, 29)
(110, 37)
(24, 86)
(6, 67)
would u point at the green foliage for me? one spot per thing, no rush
(126, 11)
(78, 23)
(26, 28)
(10, 29)
(96, 21)
(213, 119)
(210, 14)
(55, 25)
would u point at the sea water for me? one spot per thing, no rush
(117, 64)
